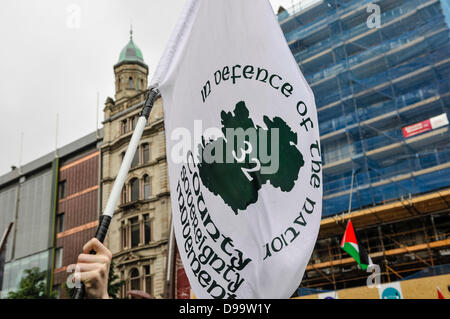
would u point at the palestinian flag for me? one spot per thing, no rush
(440, 295)
(350, 245)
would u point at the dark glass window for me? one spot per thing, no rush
(124, 195)
(135, 232)
(147, 233)
(135, 161)
(62, 189)
(124, 126)
(60, 223)
(146, 187)
(134, 185)
(130, 83)
(148, 280)
(145, 153)
(123, 234)
(135, 281)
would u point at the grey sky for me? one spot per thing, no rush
(50, 63)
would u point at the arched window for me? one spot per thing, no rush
(146, 187)
(124, 195)
(134, 186)
(138, 87)
(135, 280)
(123, 234)
(130, 83)
(145, 153)
(142, 84)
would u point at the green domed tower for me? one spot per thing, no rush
(130, 71)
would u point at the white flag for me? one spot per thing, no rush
(243, 151)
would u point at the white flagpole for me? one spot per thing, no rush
(178, 37)
(105, 219)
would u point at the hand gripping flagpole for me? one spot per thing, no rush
(105, 219)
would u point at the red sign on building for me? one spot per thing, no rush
(417, 128)
(424, 126)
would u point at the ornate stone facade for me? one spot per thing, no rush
(139, 231)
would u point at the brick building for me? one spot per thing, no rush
(77, 210)
(53, 205)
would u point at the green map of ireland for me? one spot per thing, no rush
(229, 180)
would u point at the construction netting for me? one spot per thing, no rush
(370, 82)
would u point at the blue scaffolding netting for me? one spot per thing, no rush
(369, 83)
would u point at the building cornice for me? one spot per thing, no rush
(128, 63)
(138, 204)
(132, 252)
(151, 129)
(125, 106)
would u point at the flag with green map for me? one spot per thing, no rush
(243, 151)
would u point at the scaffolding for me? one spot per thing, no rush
(401, 249)
(368, 85)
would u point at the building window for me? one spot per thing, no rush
(147, 233)
(135, 161)
(130, 83)
(134, 186)
(146, 187)
(142, 84)
(62, 189)
(58, 257)
(123, 287)
(123, 126)
(145, 153)
(133, 121)
(135, 280)
(60, 223)
(148, 280)
(123, 234)
(135, 233)
(124, 194)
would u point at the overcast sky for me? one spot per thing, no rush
(51, 62)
